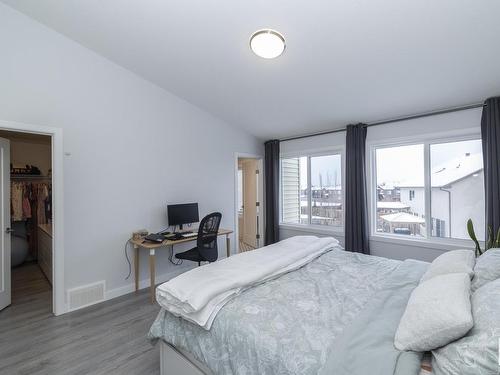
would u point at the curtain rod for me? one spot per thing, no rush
(388, 121)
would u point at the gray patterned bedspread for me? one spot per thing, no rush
(288, 325)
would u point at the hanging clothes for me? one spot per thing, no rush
(48, 205)
(33, 238)
(26, 204)
(42, 195)
(16, 201)
(31, 202)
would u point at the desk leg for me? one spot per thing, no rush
(136, 267)
(228, 246)
(152, 274)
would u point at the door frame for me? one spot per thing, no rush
(260, 192)
(6, 237)
(56, 134)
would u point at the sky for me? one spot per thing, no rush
(398, 164)
(325, 171)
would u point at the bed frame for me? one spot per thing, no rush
(174, 361)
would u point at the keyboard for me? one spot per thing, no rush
(180, 236)
(156, 238)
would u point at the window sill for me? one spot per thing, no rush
(313, 229)
(437, 244)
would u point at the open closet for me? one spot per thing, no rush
(31, 216)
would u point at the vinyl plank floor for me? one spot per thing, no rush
(108, 338)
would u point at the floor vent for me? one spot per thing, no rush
(86, 295)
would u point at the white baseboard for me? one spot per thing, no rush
(145, 283)
(129, 288)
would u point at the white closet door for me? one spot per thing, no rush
(5, 294)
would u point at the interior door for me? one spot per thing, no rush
(5, 294)
(250, 202)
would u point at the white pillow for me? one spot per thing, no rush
(487, 269)
(476, 353)
(455, 261)
(438, 312)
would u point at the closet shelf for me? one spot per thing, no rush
(29, 177)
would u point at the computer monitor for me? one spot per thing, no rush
(179, 214)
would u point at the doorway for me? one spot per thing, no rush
(40, 269)
(26, 163)
(249, 203)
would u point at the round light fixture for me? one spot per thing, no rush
(267, 43)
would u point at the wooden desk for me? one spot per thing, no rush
(141, 244)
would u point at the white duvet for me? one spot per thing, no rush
(200, 293)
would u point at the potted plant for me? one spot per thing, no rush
(493, 241)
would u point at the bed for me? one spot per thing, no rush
(336, 314)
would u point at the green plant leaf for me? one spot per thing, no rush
(472, 235)
(489, 243)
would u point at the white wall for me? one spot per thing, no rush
(463, 121)
(130, 147)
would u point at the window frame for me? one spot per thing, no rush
(427, 140)
(339, 150)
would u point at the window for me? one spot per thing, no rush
(311, 190)
(457, 188)
(407, 206)
(401, 197)
(438, 226)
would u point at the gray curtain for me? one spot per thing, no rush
(272, 183)
(356, 207)
(490, 134)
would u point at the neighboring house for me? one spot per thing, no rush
(455, 190)
(290, 191)
(388, 193)
(326, 205)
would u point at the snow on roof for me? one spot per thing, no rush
(392, 205)
(319, 188)
(388, 186)
(305, 216)
(403, 217)
(450, 172)
(305, 203)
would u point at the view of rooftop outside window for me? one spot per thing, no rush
(457, 193)
(325, 190)
(400, 194)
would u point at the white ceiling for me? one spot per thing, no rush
(346, 60)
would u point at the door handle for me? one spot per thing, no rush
(9, 230)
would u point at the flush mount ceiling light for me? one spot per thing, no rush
(267, 43)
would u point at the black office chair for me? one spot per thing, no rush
(206, 249)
